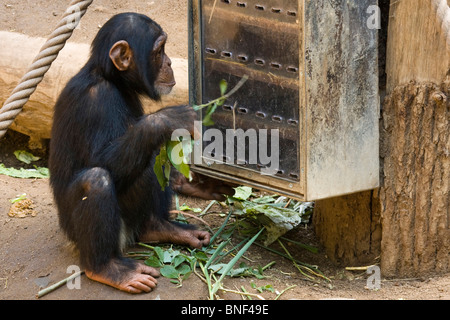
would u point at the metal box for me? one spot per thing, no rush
(312, 92)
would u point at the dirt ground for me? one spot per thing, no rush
(35, 254)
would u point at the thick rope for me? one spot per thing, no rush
(443, 13)
(42, 63)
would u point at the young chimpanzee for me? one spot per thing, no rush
(102, 154)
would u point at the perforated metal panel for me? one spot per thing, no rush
(289, 51)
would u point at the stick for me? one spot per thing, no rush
(226, 96)
(191, 216)
(212, 12)
(45, 291)
(207, 208)
(358, 268)
(243, 293)
(288, 288)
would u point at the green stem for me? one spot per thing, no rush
(224, 97)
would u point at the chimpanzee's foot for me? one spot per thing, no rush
(176, 235)
(132, 281)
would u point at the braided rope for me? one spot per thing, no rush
(42, 63)
(443, 13)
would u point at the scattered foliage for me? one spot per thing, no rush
(25, 157)
(251, 219)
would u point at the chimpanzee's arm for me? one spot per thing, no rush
(129, 155)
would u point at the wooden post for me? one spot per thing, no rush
(415, 144)
(414, 199)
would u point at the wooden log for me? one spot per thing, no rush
(415, 197)
(36, 118)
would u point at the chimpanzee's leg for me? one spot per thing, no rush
(96, 226)
(156, 205)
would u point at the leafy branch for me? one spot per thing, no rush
(165, 160)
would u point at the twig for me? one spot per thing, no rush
(212, 12)
(304, 246)
(224, 97)
(288, 288)
(45, 291)
(234, 116)
(191, 216)
(207, 208)
(243, 293)
(292, 259)
(288, 203)
(298, 267)
(358, 268)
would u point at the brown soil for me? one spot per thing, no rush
(34, 253)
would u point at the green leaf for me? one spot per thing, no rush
(25, 156)
(185, 207)
(265, 199)
(207, 119)
(169, 255)
(159, 253)
(39, 173)
(153, 261)
(161, 161)
(178, 260)
(175, 154)
(230, 264)
(169, 272)
(242, 193)
(23, 196)
(223, 87)
(200, 255)
(184, 269)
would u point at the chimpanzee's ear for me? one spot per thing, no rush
(121, 55)
(161, 41)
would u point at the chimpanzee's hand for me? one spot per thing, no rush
(179, 117)
(201, 186)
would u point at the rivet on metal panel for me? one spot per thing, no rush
(276, 10)
(293, 122)
(292, 69)
(241, 4)
(226, 1)
(260, 7)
